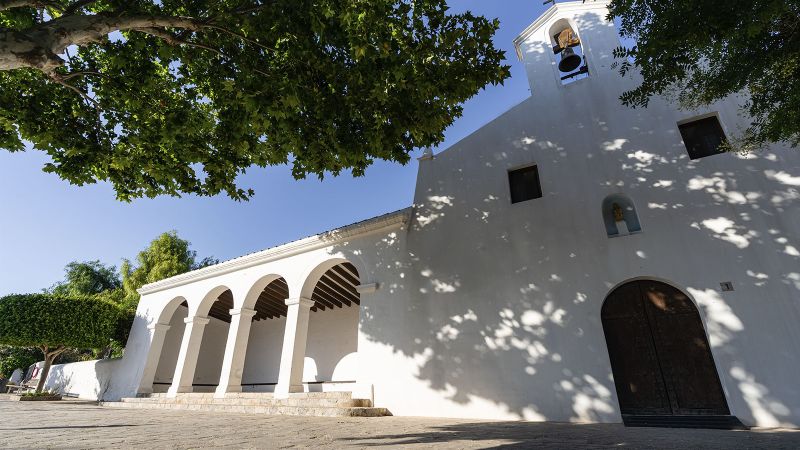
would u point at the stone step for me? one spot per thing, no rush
(320, 411)
(337, 394)
(255, 401)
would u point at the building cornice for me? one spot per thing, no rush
(551, 12)
(384, 223)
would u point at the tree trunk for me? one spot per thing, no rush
(49, 357)
(48, 361)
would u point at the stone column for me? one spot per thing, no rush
(159, 333)
(187, 358)
(230, 380)
(290, 377)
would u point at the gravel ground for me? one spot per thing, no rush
(72, 424)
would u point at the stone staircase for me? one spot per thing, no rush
(325, 404)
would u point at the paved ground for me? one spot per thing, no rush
(84, 425)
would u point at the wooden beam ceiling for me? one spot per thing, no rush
(270, 304)
(335, 289)
(220, 309)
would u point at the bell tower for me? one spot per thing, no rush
(570, 43)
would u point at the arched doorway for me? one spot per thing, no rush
(659, 353)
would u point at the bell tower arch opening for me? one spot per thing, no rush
(571, 41)
(569, 54)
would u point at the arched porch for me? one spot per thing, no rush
(263, 338)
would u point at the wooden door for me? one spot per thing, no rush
(659, 353)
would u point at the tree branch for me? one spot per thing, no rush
(11, 4)
(175, 41)
(80, 29)
(39, 46)
(246, 9)
(74, 7)
(240, 36)
(58, 79)
(72, 75)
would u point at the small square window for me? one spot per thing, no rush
(524, 184)
(702, 137)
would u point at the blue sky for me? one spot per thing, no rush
(46, 223)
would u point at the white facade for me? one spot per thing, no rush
(474, 307)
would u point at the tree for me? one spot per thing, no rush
(702, 51)
(13, 358)
(172, 97)
(55, 323)
(95, 279)
(87, 278)
(166, 256)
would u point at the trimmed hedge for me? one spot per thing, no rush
(37, 320)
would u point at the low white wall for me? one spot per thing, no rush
(86, 379)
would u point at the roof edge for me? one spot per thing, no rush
(379, 223)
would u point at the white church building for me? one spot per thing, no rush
(572, 260)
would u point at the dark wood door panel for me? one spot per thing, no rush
(637, 375)
(683, 350)
(640, 386)
(660, 356)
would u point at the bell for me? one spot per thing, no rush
(569, 60)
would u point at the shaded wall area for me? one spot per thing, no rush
(169, 352)
(263, 360)
(212, 350)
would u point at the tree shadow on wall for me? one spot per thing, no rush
(499, 304)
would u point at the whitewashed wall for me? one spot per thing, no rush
(87, 380)
(501, 312)
(332, 336)
(262, 363)
(212, 350)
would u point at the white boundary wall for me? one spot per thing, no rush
(88, 380)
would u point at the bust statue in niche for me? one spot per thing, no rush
(619, 215)
(619, 219)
